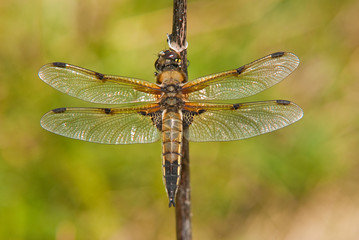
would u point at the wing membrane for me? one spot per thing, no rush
(96, 87)
(242, 82)
(227, 122)
(102, 125)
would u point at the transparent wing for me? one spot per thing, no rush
(242, 82)
(102, 125)
(227, 122)
(96, 87)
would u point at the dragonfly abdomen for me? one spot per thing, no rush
(172, 129)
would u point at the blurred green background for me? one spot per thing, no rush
(300, 182)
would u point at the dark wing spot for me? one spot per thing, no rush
(277, 54)
(59, 64)
(240, 69)
(156, 118)
(283, 102)
(188, 116)
(99, 76)
(59, 110)
(236, 106)
(107, 110)
(201, 111)
(143, 113)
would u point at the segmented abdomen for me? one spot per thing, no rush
(172, 129)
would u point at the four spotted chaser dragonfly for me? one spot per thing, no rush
(172, 107)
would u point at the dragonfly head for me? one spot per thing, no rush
(168, 60)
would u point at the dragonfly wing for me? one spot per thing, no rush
(104, 125)
(242, 82)
(227, 122)
(97, 87)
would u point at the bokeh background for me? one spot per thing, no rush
(301, 182)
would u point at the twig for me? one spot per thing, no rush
(183, 202)
(179, 30)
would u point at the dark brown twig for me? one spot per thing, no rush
(179, 30)
(183, 202)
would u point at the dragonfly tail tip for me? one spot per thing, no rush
(171, 203)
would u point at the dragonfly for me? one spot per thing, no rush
(172, 108)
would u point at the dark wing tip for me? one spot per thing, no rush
(298, 110)
(59, 110)
(283, 102)
(43, 69)
(277, 54)
(59, 64)
(171, 203)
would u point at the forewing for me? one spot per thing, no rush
(96, 87)
(242, 82)
(103, 125)
(227, 122)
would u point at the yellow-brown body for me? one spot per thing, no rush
(172, 132)
(171, 104)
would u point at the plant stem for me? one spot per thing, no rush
(183, 201)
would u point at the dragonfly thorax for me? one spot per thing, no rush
(171, 77)
(172, 100)
(172, 97)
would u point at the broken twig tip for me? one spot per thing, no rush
(174, 45)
